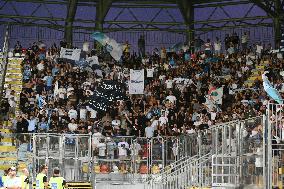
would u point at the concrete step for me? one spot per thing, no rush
(6, 131)
(12, 83)
(8, 159)
(14, 65)
(14, 70)
(8, 149)
(6, 140)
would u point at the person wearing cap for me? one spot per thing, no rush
(56, 181)
(41, 178)
(12, 181)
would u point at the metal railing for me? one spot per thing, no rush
(196, 172)
(4, 61)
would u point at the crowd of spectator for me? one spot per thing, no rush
(55, 94)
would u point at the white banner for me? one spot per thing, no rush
(72, 54)
(136, 83)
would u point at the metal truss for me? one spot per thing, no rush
(165, 15)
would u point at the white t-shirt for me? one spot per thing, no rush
(244, 39)
(83, 113)
(40, 67)
(155, 124)
(115, 122)
(93, 112)
(217, 46)
(122, 151)
(150, 72)
(163, 120)
(72, 114)
(149, 131)
(102, 149)
(61, 92)
(169, 83)
(96, 138)
(259, 48)
(12, 182)
(171, 98)
(72, 126)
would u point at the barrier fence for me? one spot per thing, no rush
(227, 155)
(82, 157)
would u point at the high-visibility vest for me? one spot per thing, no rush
(25, 185)
(4, 178)
(39, 181)
(56, 182)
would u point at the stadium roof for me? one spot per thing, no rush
(182, 16)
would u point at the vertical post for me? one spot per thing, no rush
(190, 23)
(277, 24)
(102, 8)
(71, 12)
(187, 9)
(264, 158)
(269, 148)
(5, 59)
(34, 157)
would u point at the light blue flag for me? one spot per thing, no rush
(115, 49)
(270, 90)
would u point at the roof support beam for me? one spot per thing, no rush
(187, 11)
(102, 9)
(71, 12)
(275, 10)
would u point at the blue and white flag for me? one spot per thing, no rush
(114, 48)
(270, 90)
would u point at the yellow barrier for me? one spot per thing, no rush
(76, 185)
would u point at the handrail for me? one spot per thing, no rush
(5, 61)
(190, 162)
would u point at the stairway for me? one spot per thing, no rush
(8, 149)
(194, 173)
(256, 73)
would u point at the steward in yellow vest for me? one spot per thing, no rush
(25, 179)
(56, 181)
(41, 178)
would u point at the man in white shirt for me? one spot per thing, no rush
(72, 114)
(171, 98)
(259, 49)
(217, 47)
(12, 181)
(102, 149)
(116, 122)
(122, 149)
(163, 119)
(62, 92)
(244, 41)
(155, 123)
(149, 131)
(83, 113)
(169, 83)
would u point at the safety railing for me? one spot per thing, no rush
(195, 173)
(134, 160)
(83, 157)
(234, 146)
